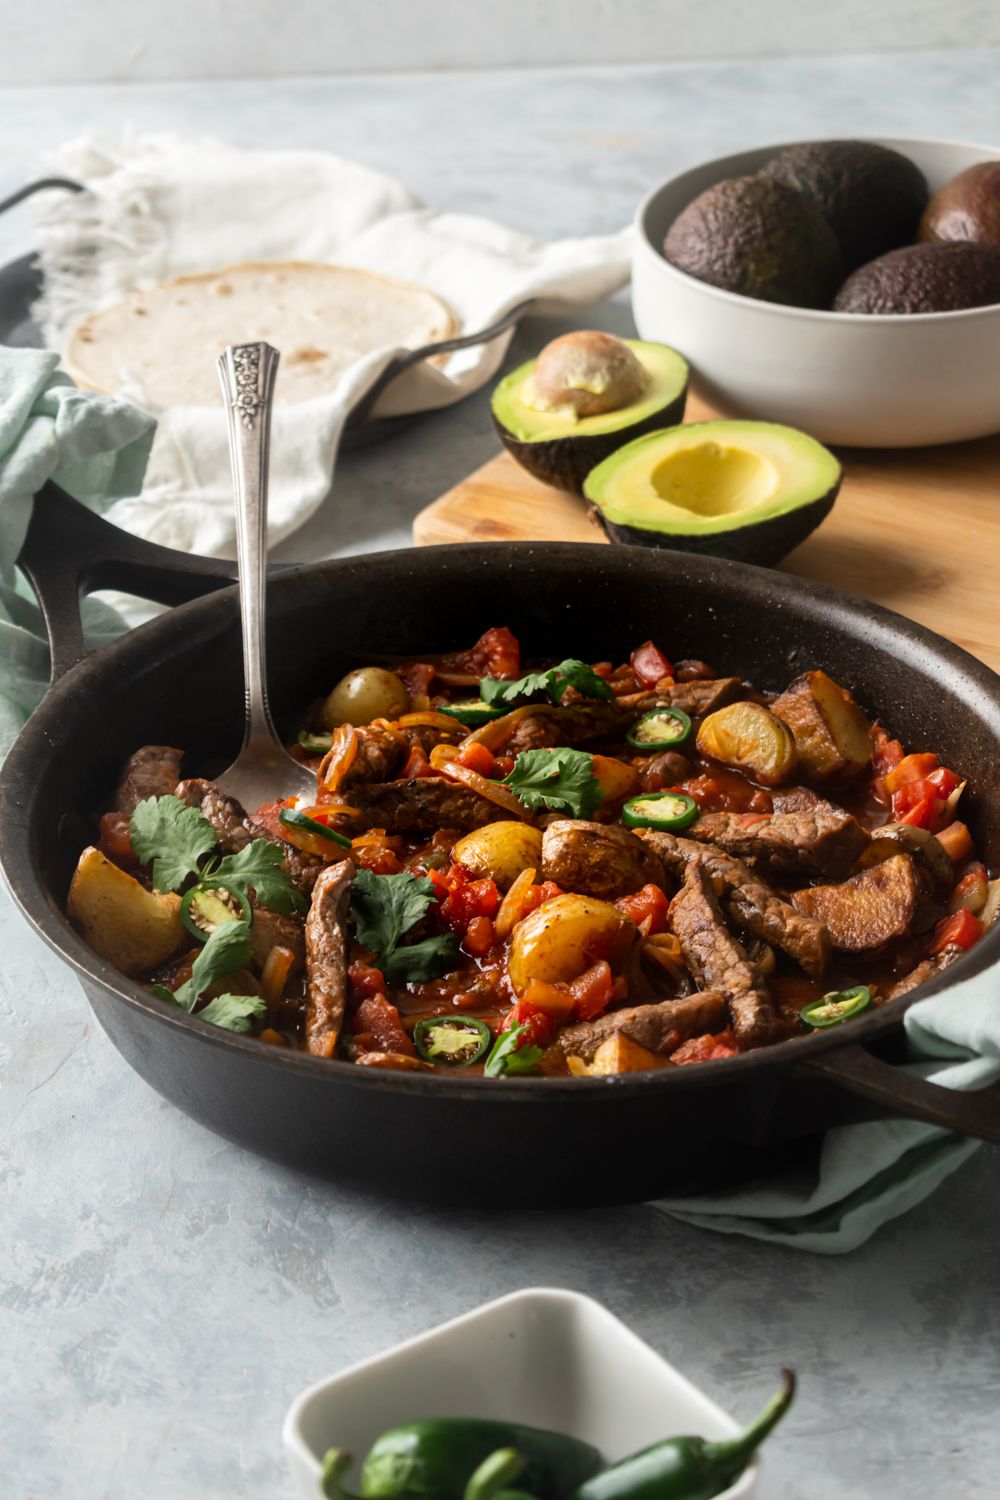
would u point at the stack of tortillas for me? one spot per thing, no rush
(161, 345)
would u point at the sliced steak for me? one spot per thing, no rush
(925, 971)
(547, 726)
(717, 960)
(234, 829)
(871, 909)
(751, 904)
(699, 697)
(326, 958)
(153, 771)
(663, 1025)
(816, 840)
(381, 754)
(424, 805)
(597, 859)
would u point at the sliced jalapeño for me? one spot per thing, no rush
(837, 1006)
(668, 810)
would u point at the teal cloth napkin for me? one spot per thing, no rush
(871, 1173)
(96, 448)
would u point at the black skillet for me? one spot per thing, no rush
(178, 680)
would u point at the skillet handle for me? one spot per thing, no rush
(69, 552)
(975, 1114)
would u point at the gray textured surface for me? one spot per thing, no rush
(162, 1295)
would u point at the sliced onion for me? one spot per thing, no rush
(444, 758)
(340, 757)
(511, 911)
(991, 907)
(953, 801)
(429, 717)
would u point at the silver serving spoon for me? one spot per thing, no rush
(263, 771)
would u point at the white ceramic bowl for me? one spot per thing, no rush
(892, 381)
(549, 1358)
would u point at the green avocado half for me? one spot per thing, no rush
(561, 448)
(750, 491)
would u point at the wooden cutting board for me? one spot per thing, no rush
(917, 530)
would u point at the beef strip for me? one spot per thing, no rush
(817, 840)
(751, 904)
(717, 960)
(547, 726)
(381, 754)
(234, 828)
(665, 1024)
(326, 958)
(597, 859)
(153, 771)
(697, 698)
(925, 971)
(423, 806)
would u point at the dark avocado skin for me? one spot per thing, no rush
(871, 197)
(939, 277)
(566, 462)
(760, 238)
(967, 207)
(763, 542)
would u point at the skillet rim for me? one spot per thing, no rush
(28, 891)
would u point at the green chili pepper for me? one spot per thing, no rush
(687, 1468)
(291, 818)
(455, 1041)
(316, 744)
(492, 1479)
(434, 1460)
(660, 729)
(660, 810)
(471, 712)
(206, 907)
(837, 1006)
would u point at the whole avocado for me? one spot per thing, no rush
(759, 238)
(967, 207)
(939, 277)
(871, 197)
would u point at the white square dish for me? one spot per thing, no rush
(546, 1357)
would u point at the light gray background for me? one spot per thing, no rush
(162, 1295)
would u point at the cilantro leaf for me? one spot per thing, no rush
(386, 906)
(233, 1012)
(426, 960)
(553, 683)
(260, 865)
(506, 1058)
(560, 779)
(173, 836)
(227, 949)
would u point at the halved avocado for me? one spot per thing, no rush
(750, 491)
(559, 447)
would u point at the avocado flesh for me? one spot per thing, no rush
(746, 490)
(560, 448)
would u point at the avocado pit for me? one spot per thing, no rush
(585, 374)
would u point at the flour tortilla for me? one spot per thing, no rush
(160, 347)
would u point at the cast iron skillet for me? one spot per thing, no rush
(178, 680)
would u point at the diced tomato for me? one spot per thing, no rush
(269, 817)
(416, 677)
(377, 1021)
(705, 1049)
(910, 768)
(944, 781)
(538, 1024)
(918, 803)
(365, 980)
(692, 670)
(624, 682)
(463, 899)
(495, 654)
(115, 840)
(502, 766)
(958, 931)
(886, 753)
(957, 842)
(556, 1000)
(603, 669)
(417, 764)
(476, 757)
(479, 937)
(649, 664)
(646, 905)
(378, 859)
(971, 891)
(593, 990)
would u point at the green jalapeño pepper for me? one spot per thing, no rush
(687, 1468)
(316, 744)
(290, 817)
(493, 1479)
(471, 712)
(837, 1006)
(453, 1041)
(660, 729)
(434, 1460)
(206, 907)
(673, 810)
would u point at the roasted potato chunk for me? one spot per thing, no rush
(500, 851)
(619, 1054)
(870, 909)
(748, 737)
(564, 936)
(132, 928)
(926, 849)
(832, 735)
(599, 859)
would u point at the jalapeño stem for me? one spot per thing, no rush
(733, 1454)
